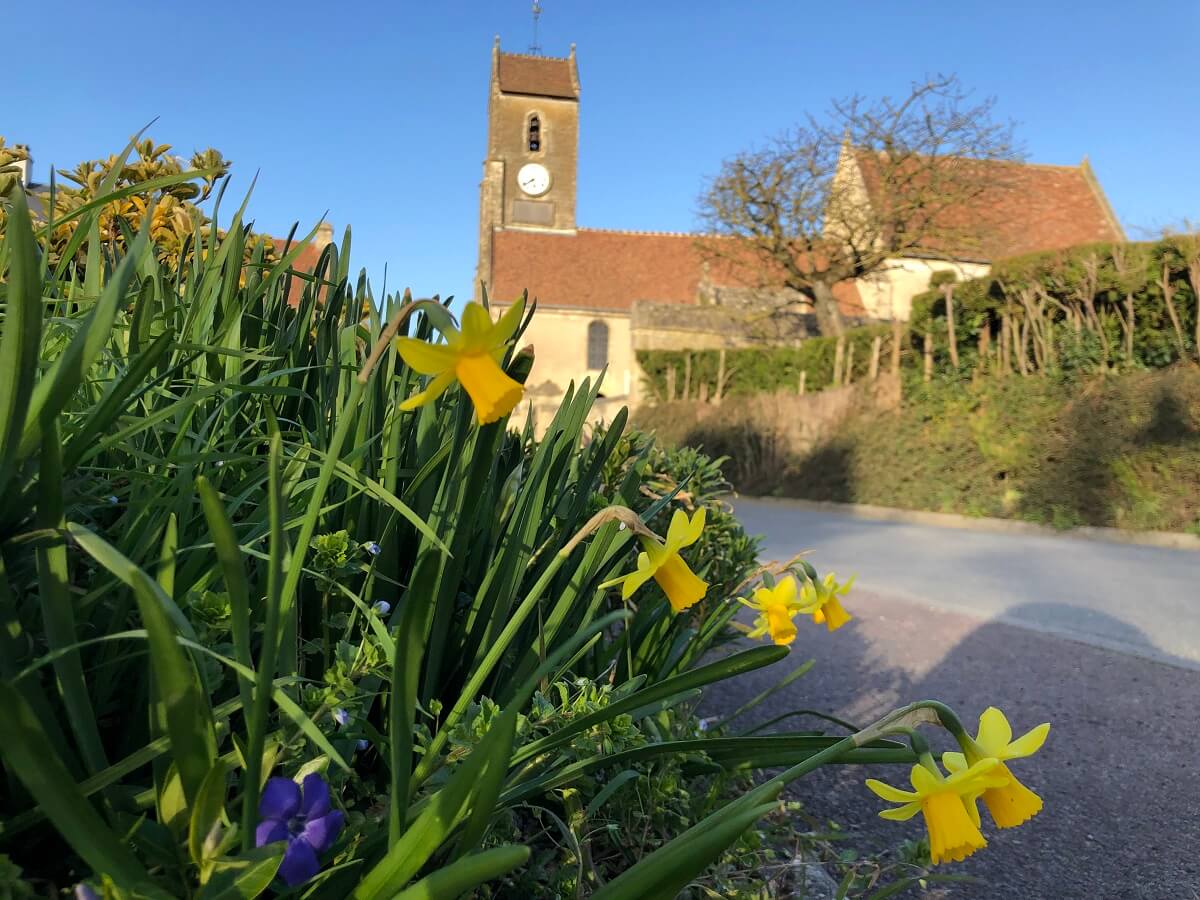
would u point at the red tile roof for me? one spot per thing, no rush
(1023, 208)
(305, 261)
(544, 76)
(609, 270)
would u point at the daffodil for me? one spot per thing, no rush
(822, 598)
(947, 804)
(777, 606)
(472, 357)
(1011, 803)
(662, 562)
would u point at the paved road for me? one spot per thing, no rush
(1101, 640)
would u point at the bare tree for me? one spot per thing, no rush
(837, 198)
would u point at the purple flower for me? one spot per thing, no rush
(341, 717)
(373, 548)
(362, 743)
(306, 822)
(382, 607)
(84, 892)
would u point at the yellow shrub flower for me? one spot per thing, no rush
(472, 357)
(947, 804)
(777, 606)
(663, 563)
(1012, 803)
(822, 598)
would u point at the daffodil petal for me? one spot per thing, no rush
(431, 392)
(924, 781)
(507, 326)
(476, 327)
(994, 731)
(901, 813)
(890, 794)
(677, 531)
(634, 580)
(424, 357)
(1028, 743)
(954, 762)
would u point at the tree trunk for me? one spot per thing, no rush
(1168, 292)
(898, 335)
(849, 363)
(687, 376)
(829, 317)
(876, 346)
(948, 294)
(702, 394)
(670, 384)
(1130, 315)
(1023, 347)
(928, 348)
(985, 337)
(839, 354)
(803, 378)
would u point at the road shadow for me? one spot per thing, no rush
(1119, 763)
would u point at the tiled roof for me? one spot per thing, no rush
(609, 270)
(1023, 208)
(544, 76)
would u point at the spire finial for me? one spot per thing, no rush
(535, 49)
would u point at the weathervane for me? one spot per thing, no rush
(535, 48)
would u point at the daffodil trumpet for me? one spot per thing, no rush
(777, 606)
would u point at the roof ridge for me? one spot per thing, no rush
(691, 234)
(565, 59)
(979, 159)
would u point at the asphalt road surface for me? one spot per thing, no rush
(1101, 640)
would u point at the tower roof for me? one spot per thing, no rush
(541, 76)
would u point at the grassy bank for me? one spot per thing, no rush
(1116, 451)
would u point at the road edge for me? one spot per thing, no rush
(1172, 540)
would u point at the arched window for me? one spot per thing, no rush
(535, 133)
(597, 345)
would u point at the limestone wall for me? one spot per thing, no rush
(889, 291)
(661, 326)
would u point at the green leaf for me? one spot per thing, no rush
(462, 875)
(245, 876)
(21, 336)
(207, 810)
(188, 717)
(30, 755)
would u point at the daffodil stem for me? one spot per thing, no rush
(905, 719)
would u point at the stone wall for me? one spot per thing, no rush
(662, 326)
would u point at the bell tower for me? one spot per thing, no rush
(532, 149)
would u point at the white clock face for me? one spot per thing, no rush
(533, 179)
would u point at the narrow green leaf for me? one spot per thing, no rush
(245, 876)
(21, 337)
(31, 756)
(207, 810)
(460, 876)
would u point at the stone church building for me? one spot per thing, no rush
(603, 294)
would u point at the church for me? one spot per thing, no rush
(605, 294)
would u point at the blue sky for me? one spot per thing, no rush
(376, 112)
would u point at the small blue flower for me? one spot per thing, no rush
(341, 716)
(112, 500)
(373, 548)
(382, 607)
(362, 744)
(84, 891)
(304, 819)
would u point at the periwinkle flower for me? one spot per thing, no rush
(112, 500)
(373, 548)
(83, 891)
(382, 607)
(362, 744)
(302, 818)
(341, 717)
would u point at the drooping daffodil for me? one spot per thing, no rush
(947, 804)
(777, 606)
(662, 562)
(1011, 803)
(471, 357)
(821, 597)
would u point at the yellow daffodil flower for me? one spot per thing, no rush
(776, 607)
(663, 563)
(1012, 803)
(472, 357)
(822, 598)
(947, 804)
